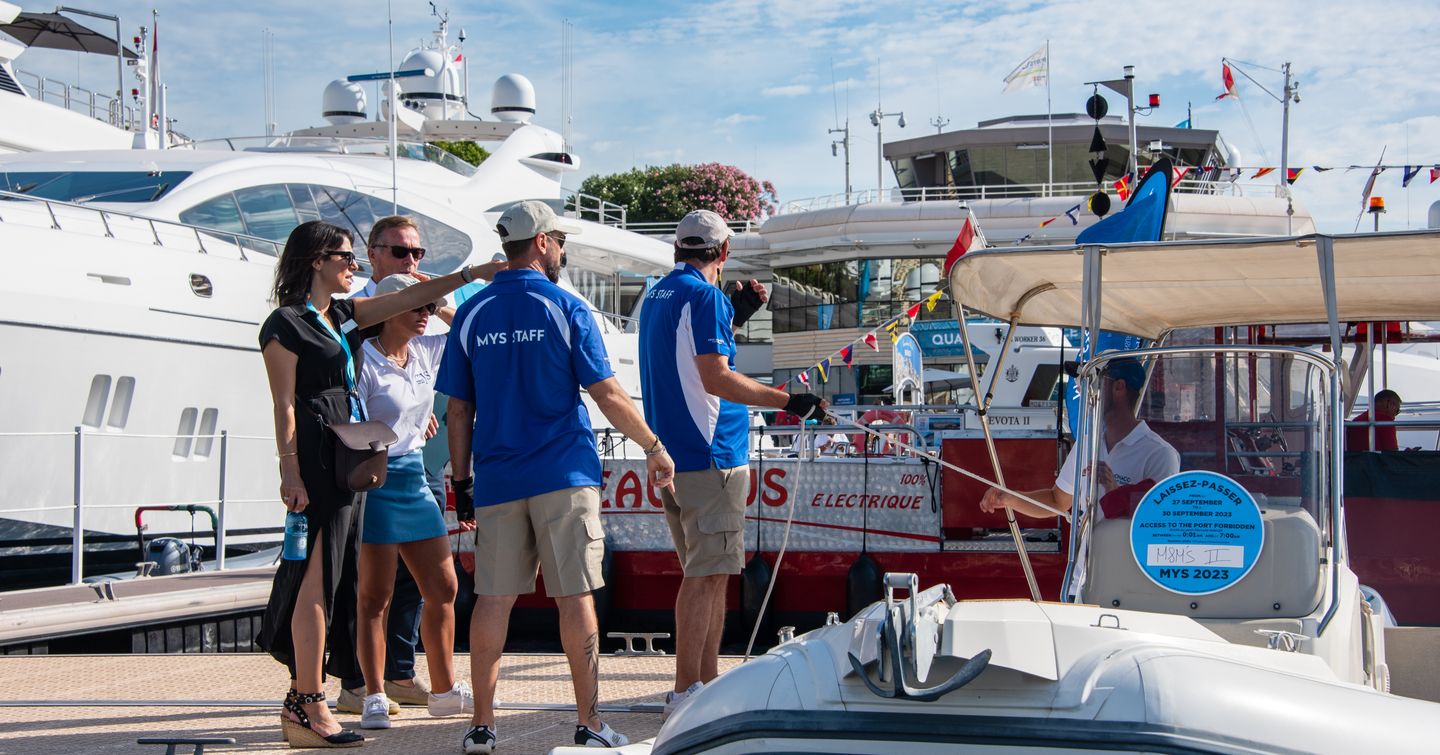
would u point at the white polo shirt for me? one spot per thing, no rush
(402, 399)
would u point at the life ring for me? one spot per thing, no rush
(880, 416)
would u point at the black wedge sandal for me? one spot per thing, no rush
(299, 734)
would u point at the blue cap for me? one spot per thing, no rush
(1127, 369)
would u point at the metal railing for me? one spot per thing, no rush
(1006, 191)
(240, 241)
(591, 207)
(339, 145)
(78, 504)
(78, 99)
(667, 227)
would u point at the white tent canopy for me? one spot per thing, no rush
(1151, 288)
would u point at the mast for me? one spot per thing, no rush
(1288, 94)
(1049, 124)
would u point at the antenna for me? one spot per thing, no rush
(834, 95)
(567, 81)
(394, 114)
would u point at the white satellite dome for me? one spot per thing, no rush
(343, 103)
(513, 99)
(436, 94)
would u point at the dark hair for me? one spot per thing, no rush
(708, 254)
(292, 271)
(515, 249)
(1387, 394)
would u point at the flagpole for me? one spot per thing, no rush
(1049, 125)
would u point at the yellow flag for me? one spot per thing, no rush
(933, 300)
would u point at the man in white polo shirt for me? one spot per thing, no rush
(696, 401)
(1129, 453)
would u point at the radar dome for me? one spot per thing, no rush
(435, 94)
(343, 103)
(512, 99)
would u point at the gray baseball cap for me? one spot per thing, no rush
(701, 229)
(399, 282)
(530, 218)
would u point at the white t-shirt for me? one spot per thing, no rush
(402, 399)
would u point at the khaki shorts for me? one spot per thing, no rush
(557, 532)
(706, 514)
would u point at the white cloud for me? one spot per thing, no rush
(735, 119)
(788, 90)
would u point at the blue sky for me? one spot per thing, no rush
(749, 82)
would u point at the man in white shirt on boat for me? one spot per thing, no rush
(1130, 453)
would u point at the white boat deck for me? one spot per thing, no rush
(65, 704)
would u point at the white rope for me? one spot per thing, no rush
(784, 543)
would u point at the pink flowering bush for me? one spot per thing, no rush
(664, 194)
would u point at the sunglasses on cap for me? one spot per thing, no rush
(401, 252)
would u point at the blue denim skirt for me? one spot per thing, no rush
(403, 509)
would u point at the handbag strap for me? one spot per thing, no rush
(357, 412)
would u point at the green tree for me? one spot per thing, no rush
(470, 152)
(663, 194)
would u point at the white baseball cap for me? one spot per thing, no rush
(399, 282)
(701, 229)
(530, 218)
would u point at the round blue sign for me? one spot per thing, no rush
(1197, 533)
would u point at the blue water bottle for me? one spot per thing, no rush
(296, 530)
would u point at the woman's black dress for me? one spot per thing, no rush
(320, 397)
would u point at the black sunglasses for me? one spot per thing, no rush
(558, 238)
(401, 252)
(348, 257)
(430, 308)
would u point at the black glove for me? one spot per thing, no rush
(464, 499)
(746, 301)
(804, 405)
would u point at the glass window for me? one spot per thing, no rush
(304, 203)
(220, 213)
(267, 211)
(96, 186)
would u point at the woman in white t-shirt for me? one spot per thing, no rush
(401, 519)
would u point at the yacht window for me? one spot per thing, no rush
(267, 212)
(304, 203)
(220, 213)
(96, 186)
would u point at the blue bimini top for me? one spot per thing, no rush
(520, 350)
(684, 316)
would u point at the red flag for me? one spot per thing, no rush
(871, 341)
(1048, 222)
(847, 355)
(803, 378)
(913, 311)
(1180, 174)
(1434, 173)
(1229, 79)
(962, 244)
(1262, 172)
(1122, 187)
(781, 387)
(1293, 174)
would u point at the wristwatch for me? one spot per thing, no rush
(466, 275)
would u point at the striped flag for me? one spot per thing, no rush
(804, 379)
(1262, 172)
(891, 327)
(1410, 172)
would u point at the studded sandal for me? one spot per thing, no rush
(299, 733)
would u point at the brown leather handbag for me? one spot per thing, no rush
(361, 454)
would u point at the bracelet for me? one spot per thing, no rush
(289, 453)
(655, 448)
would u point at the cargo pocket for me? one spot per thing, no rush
(591, 536)
(728, 526)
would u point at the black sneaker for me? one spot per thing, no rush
(480, 740)
(606, 737)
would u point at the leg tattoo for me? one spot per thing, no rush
(592, 658)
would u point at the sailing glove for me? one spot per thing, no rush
(804, 405)
(746, 301)
(464, 499)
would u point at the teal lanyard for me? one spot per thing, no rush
(355, 412)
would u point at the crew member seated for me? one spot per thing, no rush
(1132, 458)
(1357, 434)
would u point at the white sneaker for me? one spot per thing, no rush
(480, 740)
(606, 737)
(458, 700)
(376, 714)
(673, 699)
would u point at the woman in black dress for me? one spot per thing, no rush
(307, 344)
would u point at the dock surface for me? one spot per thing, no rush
(75, 703)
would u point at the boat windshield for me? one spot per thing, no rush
(1223, 492)
(97, 186)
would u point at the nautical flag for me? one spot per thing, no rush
(913, 311)
(1434, 173)
(781, 387)
(824, 368)
(1229, 79)
(1262, 172)
(871, 341)
(1027, 236)
(1370, 183)
(804, 379)
(1235, 174)
(932, 301)
(1292, 174)
(1410, 172)
(891, 327)
(1034, 71)
(1183, 124)
(1319, 169)
(847, 355)
(964, 241)
(1122, 187)
(1074, 214)
(1044, 223)
(1180, 174)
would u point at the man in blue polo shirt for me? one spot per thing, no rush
(696, 401)
(518, 354)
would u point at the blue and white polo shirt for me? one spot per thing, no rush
(685, 316)
(520, 350)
